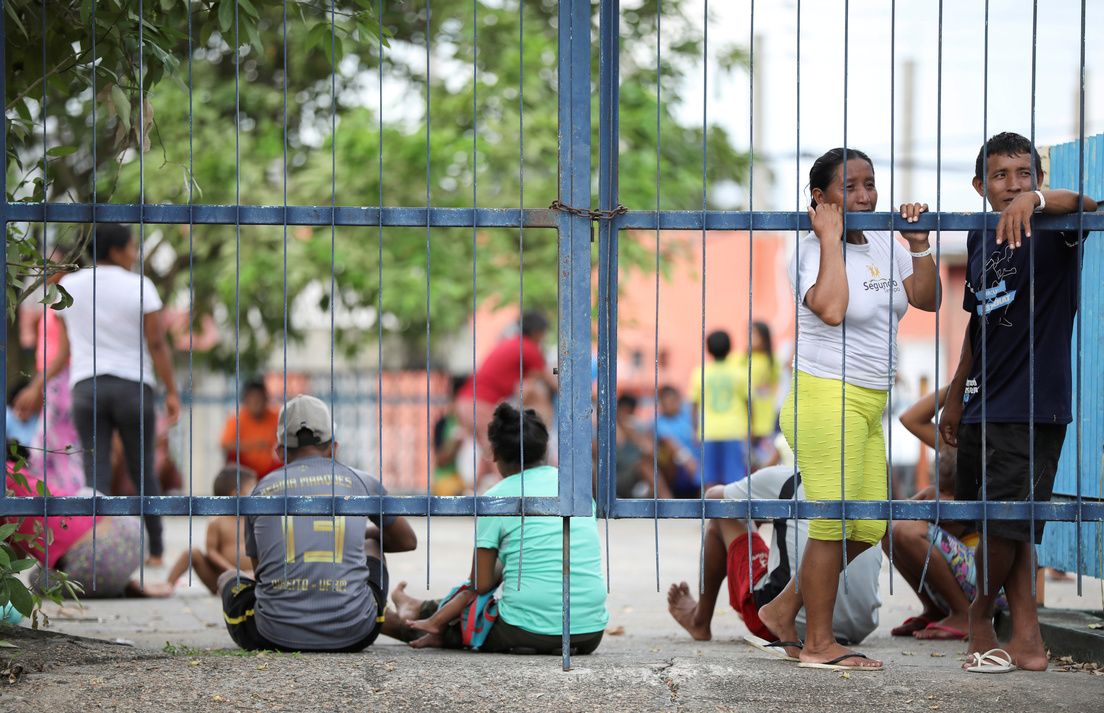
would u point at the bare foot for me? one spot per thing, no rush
(983, 637)
(430, 625)
(154, 561)
(433, 641)
(152, 589)
(780, 627)
(407, 606)
(948, 627)
(684, 608)
(1034, 660)
(834, 651)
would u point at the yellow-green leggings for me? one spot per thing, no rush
(817, 444)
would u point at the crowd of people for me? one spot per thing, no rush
(306, 583)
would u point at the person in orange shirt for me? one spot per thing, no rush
(249, 437)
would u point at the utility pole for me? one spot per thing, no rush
(908, 139)
(760, 171)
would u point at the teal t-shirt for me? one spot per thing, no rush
(538, 606)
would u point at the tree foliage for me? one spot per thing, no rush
(218, 133)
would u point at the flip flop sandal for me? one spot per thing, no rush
(941, 633)
(992, 661)
(910, 625)
(835, 664)
(774, 648)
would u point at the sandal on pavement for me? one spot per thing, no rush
(992, 661)
(835, 664)
(913, 623)
(940, 632)
(774, 648)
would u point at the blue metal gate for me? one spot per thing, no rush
(572, 217)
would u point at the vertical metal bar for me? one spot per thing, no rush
(843, 326)
(751, 272)
(574, 258)
(45, 190)
(573, 266)
(191, 286)
(283, 411)
(608, 50)
(141, 138)
(893, 267)
(521, 257)
(701, 347)
(566, 645)
(237, 276)
(797, 286)
(475, 246)
(655, 338)
(379, 269)
(1031, 301)
(1080, 282)
(984, 308)
(95, 199)
(333, 272)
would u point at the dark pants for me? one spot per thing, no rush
(115, 407)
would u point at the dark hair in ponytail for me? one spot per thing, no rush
(824, 168)
(507, 431)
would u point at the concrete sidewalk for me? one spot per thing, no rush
(652, 665)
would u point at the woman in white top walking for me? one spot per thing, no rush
(851, 292)
(115, 337)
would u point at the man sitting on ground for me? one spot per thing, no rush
(726, 555)
(321, 581)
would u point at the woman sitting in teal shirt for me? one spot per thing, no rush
(529, 617)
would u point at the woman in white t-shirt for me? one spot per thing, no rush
(850, 293)
(113, 339)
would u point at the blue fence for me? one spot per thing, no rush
(573, 217)
(1081, 468)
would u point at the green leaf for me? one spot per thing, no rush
(314, 37)
(20, 565)
(226, 15)
(64, 298)
(122, 105)
(62, 151)
(7, 530)
(20, 597)
(5, 560)
(5, 644)
(248, 7)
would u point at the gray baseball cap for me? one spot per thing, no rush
(304, 412)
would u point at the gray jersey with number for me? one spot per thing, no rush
(312, 571)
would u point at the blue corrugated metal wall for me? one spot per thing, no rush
(1060, 543)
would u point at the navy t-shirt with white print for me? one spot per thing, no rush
(1000, 278)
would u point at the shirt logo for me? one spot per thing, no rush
(877, 283)
(997, 295)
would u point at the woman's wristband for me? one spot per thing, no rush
(918, 255)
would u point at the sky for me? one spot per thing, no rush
(974, 102)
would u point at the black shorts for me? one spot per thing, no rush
(1007, 463)
(239, 599)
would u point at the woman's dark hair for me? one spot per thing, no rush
(764, 332)
(506, 435)
(108, 237)
(1006, 144)
(824, 168)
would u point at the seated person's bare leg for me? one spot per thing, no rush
(134, 588)
(911, 551)
(697, 616)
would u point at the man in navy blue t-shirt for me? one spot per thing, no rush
(992, 385)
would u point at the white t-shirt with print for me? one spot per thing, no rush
(874, 279)
(122, 300)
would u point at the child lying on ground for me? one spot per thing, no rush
(225, 537)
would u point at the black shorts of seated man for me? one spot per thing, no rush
(319, 582)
